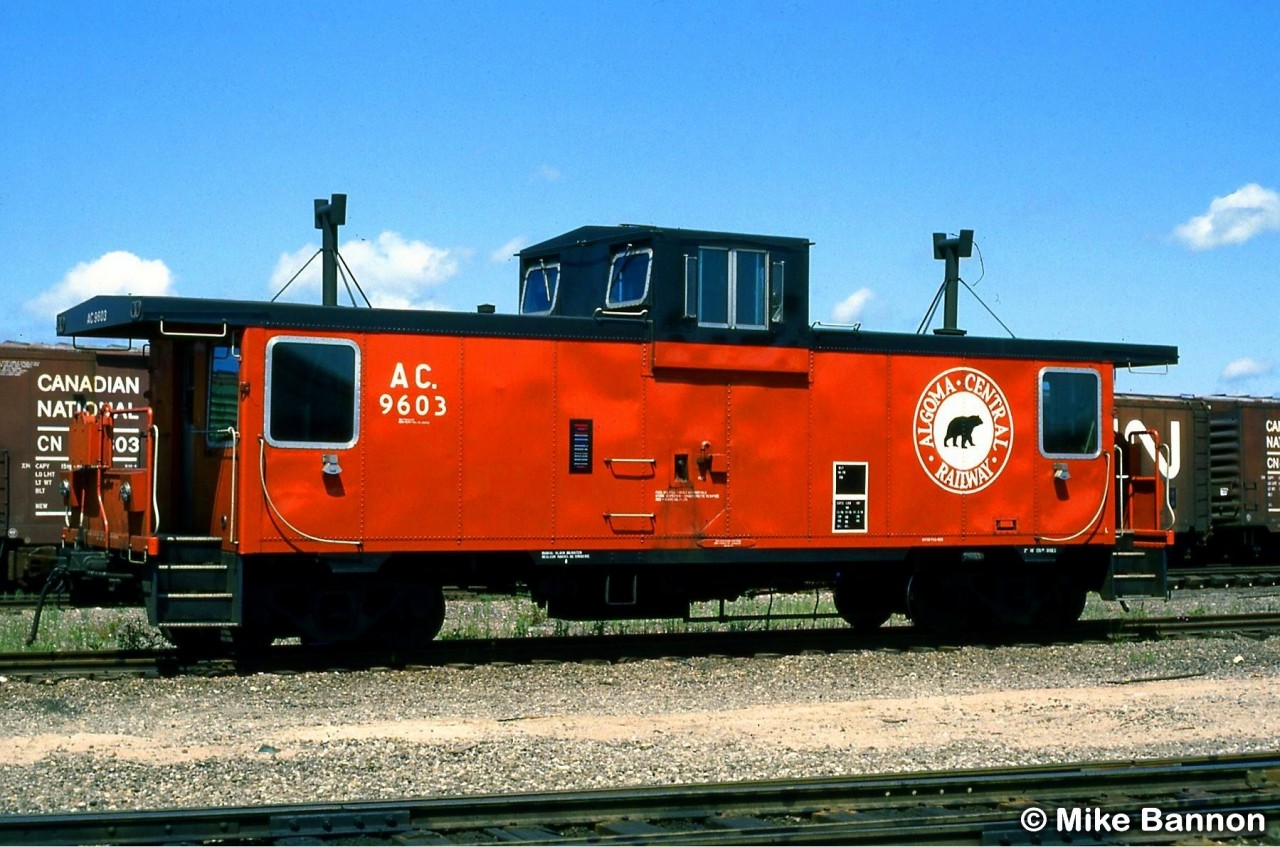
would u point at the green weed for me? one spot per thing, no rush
(79, 629)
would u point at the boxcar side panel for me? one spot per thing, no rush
(1181, 457)
(41, 389)
(1260, 436)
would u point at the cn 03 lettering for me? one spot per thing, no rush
(413, 405)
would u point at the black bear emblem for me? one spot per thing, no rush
(960, 430)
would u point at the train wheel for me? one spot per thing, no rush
(994, 595)
(865, 606)
(422, 615)
(1062, 600)
(936, 601)
(952, 595)
(412, 620)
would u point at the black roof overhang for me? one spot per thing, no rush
(126, 316)
(123, 316)
(962, 346)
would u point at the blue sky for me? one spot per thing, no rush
(1118, 162)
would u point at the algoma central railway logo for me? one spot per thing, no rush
(963, 430)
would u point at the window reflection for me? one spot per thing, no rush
(733, 287)
(311, 398)
(222, 406)
(1070, 408)
(539, 293)
(629, 277)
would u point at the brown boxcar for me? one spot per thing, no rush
(1221, 459)
(41, 388)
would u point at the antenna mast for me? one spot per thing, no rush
(950, 250)
(330, 215)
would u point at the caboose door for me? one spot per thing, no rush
(308, 470)
(195, 391)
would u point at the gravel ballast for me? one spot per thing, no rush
(83, 744)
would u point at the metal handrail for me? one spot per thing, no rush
(222, 334)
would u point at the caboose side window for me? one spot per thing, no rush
(311, 394)
(750, 288)
(629, 277)
(733, 287)
(777, 276)
(223, 401)
(541, 282)
(1070, 413)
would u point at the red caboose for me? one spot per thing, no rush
(660, 424)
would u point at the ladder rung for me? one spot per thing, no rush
(196, 596)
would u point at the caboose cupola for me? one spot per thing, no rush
(693, 285)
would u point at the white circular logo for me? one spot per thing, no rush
(963, 430)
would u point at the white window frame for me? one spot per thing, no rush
(1040, 413)
(270, 395)
(555, 294)
(732, 313)
(628, 252)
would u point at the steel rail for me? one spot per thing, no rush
(970, 806)
(28, 601)
(615, 648)
(1224, 576)
(90, 664)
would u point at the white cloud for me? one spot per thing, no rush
(394, 273)
(849, 310)
(1233, 219)
(117, 272)
(1245, 368)
(506, 251)
(546, 173)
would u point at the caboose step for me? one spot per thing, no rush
(190, 549)
(203, 592)
(1137, 572)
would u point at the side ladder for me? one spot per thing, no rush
(1139, 564)
(194, 583)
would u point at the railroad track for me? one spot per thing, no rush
(27, 601)
(1223, 576)
(1237, 797)
(612, 648)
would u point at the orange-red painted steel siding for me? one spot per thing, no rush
(467, 443)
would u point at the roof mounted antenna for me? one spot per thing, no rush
(950, 250)
(330, 215)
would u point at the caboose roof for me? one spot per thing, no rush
(124, 316)
(585, 235)
(584, 255)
